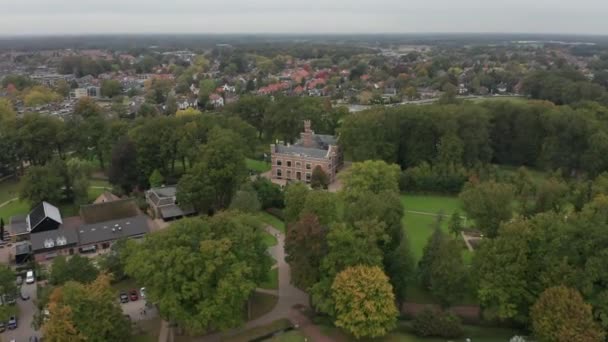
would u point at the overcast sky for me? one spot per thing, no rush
(302, 16)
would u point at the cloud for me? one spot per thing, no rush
(312, 16)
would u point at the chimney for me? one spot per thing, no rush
(306, 136)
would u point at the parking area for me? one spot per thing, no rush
(27, 309)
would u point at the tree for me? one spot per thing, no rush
(171, 105)
(270, 194)
(156, 179)
(442, 268)
(435, 322)
(123, 165)
(111, 88)
(295, 198)
(372, 175)
(322, 204)
(455, 224)
(560, 314)
(364, 300)
(319, 179)
(201, 272)
(7, 287)
(188, 112)
(78, 173)
(114, 262)
(76, 268)
(86, 312)
(41, 183)
(305, 246)
(488, 204)
(401, 269)
(246, 200)
(40, 95)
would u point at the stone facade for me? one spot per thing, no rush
(296, 162)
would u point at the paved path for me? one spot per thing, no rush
(8, 202)
(26, 315)
(289, 296)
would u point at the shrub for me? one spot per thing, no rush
(435, 322)
(276, 212)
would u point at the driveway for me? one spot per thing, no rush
(27, 309)
(135, 310)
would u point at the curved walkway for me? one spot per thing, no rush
(289, 295)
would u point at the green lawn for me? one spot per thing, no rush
(257, 165)
(419, 228)
(12, 209)
(273, 280)
(273, 221)
(517, 99)
(269, 240)
(291, 336)
(404, 334)
(9, 189)
(251, 334)
(262, 303)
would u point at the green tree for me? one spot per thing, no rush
(455, 224)
(41, 183)
(319, 179)
(201, 272)
(560, 314)
(123, 165)
(270, 194)
(76, 268)
(111, 88)
(295, 198)
(435, 322)
(372, 175)
(156, 179)
(87, 312)
(488, 204)
(171, 105)
(364, 300)
(401, 269)
(322, 204)
(246, 200)
(114, 262)
(305, 246)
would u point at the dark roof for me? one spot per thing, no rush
(302, 151)
(171, 211)
(107, 211)
(41, 212)
(163, 195)
(18, 225)
(59, 238)
(323, 140)
(113, 229)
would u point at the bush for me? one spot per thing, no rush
(435, 322)
(278, 213)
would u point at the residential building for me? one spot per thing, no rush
(163, 203)
(216, 100)
(95, 229)
(296, 162)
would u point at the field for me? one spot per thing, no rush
(9, 190)
(273, 221)
(257, 165)
(517, 99)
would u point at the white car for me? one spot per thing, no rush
(29, 277)
(142, 292)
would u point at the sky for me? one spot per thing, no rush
(50, 17)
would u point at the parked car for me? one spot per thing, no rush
(133, 295)
(12, 323)
(19, 281)
(124, 298)
(142, 293)
(29, 277)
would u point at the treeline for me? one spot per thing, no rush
(437, 144)
(565, 86)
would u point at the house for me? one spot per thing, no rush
(96, 228)
(187, 103)
(229, 89)
(194, 90)
(90, 91)
(216, 100)
(163, 203)
(296, 162)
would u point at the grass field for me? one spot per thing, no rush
(269, 240)
(517, 99)
(9, 189)
(273, 221)
(257, 165)
(273, 280)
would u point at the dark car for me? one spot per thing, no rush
(123, 297)
(12, 323)
(133, 295)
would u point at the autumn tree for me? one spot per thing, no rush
(561, 315)
(86, 312)
(488, 204)
(305, 246)
(201, 272)
(364, 301)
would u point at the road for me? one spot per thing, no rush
(27, 309)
